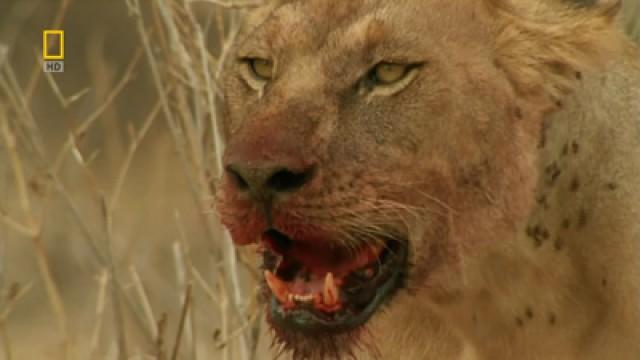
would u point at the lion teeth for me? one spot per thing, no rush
(278, 287)
(303, 298)
(330, 293)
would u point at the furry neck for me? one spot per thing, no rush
(566, 283)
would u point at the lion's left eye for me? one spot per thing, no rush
(388, 73)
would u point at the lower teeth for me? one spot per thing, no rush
(303, 298)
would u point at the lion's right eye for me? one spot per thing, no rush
(262, 69)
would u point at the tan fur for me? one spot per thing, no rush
(511, 163)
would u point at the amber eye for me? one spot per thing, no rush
(261, 68)
(388, 73)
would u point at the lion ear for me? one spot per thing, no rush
(543, 48)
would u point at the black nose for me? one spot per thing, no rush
(268, 181)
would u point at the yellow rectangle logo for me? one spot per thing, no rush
(53, 44)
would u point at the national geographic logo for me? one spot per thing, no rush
(53, 50)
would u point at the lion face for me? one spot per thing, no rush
(370, 146)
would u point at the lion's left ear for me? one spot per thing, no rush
(543, 48)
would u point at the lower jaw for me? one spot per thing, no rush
(307, 322)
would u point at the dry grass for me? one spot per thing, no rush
(107, 174)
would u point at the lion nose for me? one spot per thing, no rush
(265, 182)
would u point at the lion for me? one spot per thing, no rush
(438, 179)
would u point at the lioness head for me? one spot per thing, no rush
(372, 145)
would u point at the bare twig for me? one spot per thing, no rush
(40, 251)
(17, 226)
(95, 115)
(144, 300)
(185, 278)
(136, 139)
(115, 290)
(65, 101)
(159, 345)
(103, 280)
(183, 317)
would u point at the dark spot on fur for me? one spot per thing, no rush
(604, 282)
(537, 242)
(558, 244)
(538, 234)
(518, 112)
(529, 313)
(559, 104)
(575, 184)
(555, 175)
(612, 186)
(565, 149)
(553, 171)
(552, 319)
(549, 168)
(537, 230)
(582, 218)
(543, 134)
(519, 322)
(542, 201)
(530, 231)
(566, 223)
(575, 147)
(578, 75)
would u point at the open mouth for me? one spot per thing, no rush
(313, 287)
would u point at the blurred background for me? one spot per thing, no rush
(109, 246)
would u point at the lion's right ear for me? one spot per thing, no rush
(543, 45)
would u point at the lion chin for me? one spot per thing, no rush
(321, 346)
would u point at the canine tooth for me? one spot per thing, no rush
(278, 287)
(330, 293)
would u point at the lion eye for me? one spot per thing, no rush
(261, 68)
(388, 73)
